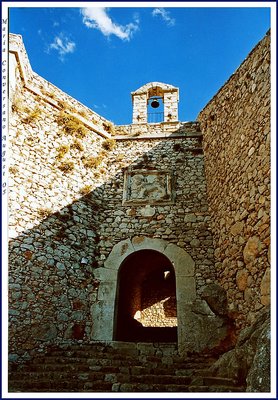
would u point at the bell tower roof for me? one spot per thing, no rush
(153, 87)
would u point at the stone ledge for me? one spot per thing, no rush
(160, 136)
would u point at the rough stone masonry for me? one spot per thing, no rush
(71, 203)
(236, 126)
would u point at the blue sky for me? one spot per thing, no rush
(99, 55)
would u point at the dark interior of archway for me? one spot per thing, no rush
(146, 283)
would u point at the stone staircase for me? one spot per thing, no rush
(117, 367)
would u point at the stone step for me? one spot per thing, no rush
(88, 361)
(105, 358)
(66, 367)
(131, 376)
(61, 386)
(103, 355)
(80, 368)
(117, 367)
(112, 365)
(218, 388)
(97, 376)
(122, 347)
(144, 387)
(160, 379)
(108, 383)
(57, 375)
(213, 381)
(102, 386)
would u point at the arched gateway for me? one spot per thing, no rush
(146, 307)
(167, 258)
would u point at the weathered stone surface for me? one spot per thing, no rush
(265, 288)
(236, 142)
(202, 330)
(182, 261)
(102, 327)
(237, 228)
(241, 279)
(75, 331)
(44, 332)
(107, 291)
(250, 354)
(190, 218)
(117, 367)
(119, 253)
(186, 289)
(195, 243)
(145, 243)
(216, 298)
(147, 211)
(105, 274)
(65, 223)
(252, 249)
(258, 378)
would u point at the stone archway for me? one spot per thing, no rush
(103, 311)
(146, 306)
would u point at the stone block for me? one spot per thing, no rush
(237, 228)
(200, 331)
(190, 218)
(147, 211)
(102, 314)
(145, 243)
(107, 291)
(241, 279)
(186, 289)
(44, 332)
(252, 249)
(75, 331)
(105, 274)
(119, 252)
(265, 288)
(181, 260)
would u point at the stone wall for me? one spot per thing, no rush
(186, 222)
(53, 232)
(164, 129)
(236, 128)
(77, 208)
(66, 208)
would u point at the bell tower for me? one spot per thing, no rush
(155, 94)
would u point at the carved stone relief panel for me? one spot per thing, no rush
(148, 187)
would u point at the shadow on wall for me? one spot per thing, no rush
(51, 266)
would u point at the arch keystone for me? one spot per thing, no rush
(146, 243)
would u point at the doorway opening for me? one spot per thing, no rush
(146, 306)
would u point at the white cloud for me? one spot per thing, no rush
(98, 18)
(165, 15)
(97, 106)
(63, 45)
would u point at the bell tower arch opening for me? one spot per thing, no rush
(155, 102)
(155, 110)
(145, 305)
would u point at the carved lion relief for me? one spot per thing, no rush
(148, 187)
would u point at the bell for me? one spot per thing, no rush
(155, 103)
